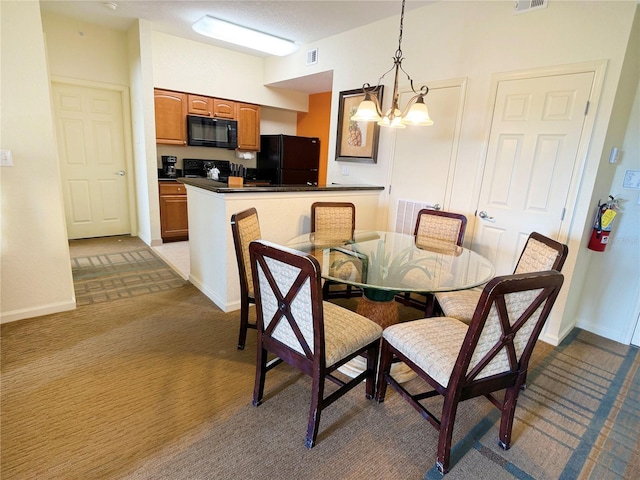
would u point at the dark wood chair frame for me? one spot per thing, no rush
(245, 297)
(312, 363)
(430, 305)
(349, 290)
(464, 385)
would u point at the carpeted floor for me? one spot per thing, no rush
(124, 269)
(153, 387)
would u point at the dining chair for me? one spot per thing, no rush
(333, 224)
(245, 229)
(461, 362)
(435, 230)
(539, 253)
(299, 328)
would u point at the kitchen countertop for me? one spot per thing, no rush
(220, 187)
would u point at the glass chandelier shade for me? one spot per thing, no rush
(415, 113)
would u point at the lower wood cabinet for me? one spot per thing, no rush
(174, 223)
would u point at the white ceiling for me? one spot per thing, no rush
(301, 21)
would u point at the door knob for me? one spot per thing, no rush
(485, 216)
(121, 173)
(434, 207)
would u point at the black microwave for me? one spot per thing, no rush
(212, 132)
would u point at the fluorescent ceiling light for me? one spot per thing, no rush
(245, 37)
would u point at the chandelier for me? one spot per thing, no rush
(415, 113)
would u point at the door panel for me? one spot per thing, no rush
(90, 135)
(424, 157)
(533, 145)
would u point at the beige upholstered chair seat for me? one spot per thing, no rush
(345, 332)
(459, 304)
(433, 344)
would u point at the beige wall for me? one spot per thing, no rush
(35, 264)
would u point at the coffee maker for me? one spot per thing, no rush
(169, 165)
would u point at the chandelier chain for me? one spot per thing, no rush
(399, 51)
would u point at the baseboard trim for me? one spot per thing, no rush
(6, 317)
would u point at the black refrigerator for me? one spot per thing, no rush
(288, 160)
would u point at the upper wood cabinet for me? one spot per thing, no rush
(199, 105)
(171, 117)
(248, 116)
(172, 109)
(224, 108)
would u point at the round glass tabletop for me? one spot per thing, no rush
(383, 263)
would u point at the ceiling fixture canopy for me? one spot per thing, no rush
(246, 37)
(415, 113)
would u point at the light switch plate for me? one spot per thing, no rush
(6, 160)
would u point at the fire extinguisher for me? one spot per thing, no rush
(603, 224)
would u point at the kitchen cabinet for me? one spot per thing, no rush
(199, 105)
(174, 223)
(211, 107)
(171, 117)
(224, 108)
(248, 116)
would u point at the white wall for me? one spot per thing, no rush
(36, 268)
(609, 302)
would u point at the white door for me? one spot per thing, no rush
(533, 146)
(90, 136)
(424, 157)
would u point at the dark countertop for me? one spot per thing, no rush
(220, 187)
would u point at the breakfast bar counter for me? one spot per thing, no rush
(220, 187)
(284, 212)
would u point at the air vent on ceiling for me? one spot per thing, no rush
(312, 56)
(523, 6)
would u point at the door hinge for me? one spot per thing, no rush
(564, 211)
(586, 108)
(389, 189)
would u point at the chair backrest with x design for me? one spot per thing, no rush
(503, 332)
(291, 306)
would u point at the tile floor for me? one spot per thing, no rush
(176, 254)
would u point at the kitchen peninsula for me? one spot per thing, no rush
(284, 212)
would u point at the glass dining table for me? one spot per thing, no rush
(384, 264)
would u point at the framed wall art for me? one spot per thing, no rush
(356, 141)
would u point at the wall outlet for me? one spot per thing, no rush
(6, 160)
(345, 170)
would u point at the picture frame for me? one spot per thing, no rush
(356, 141)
